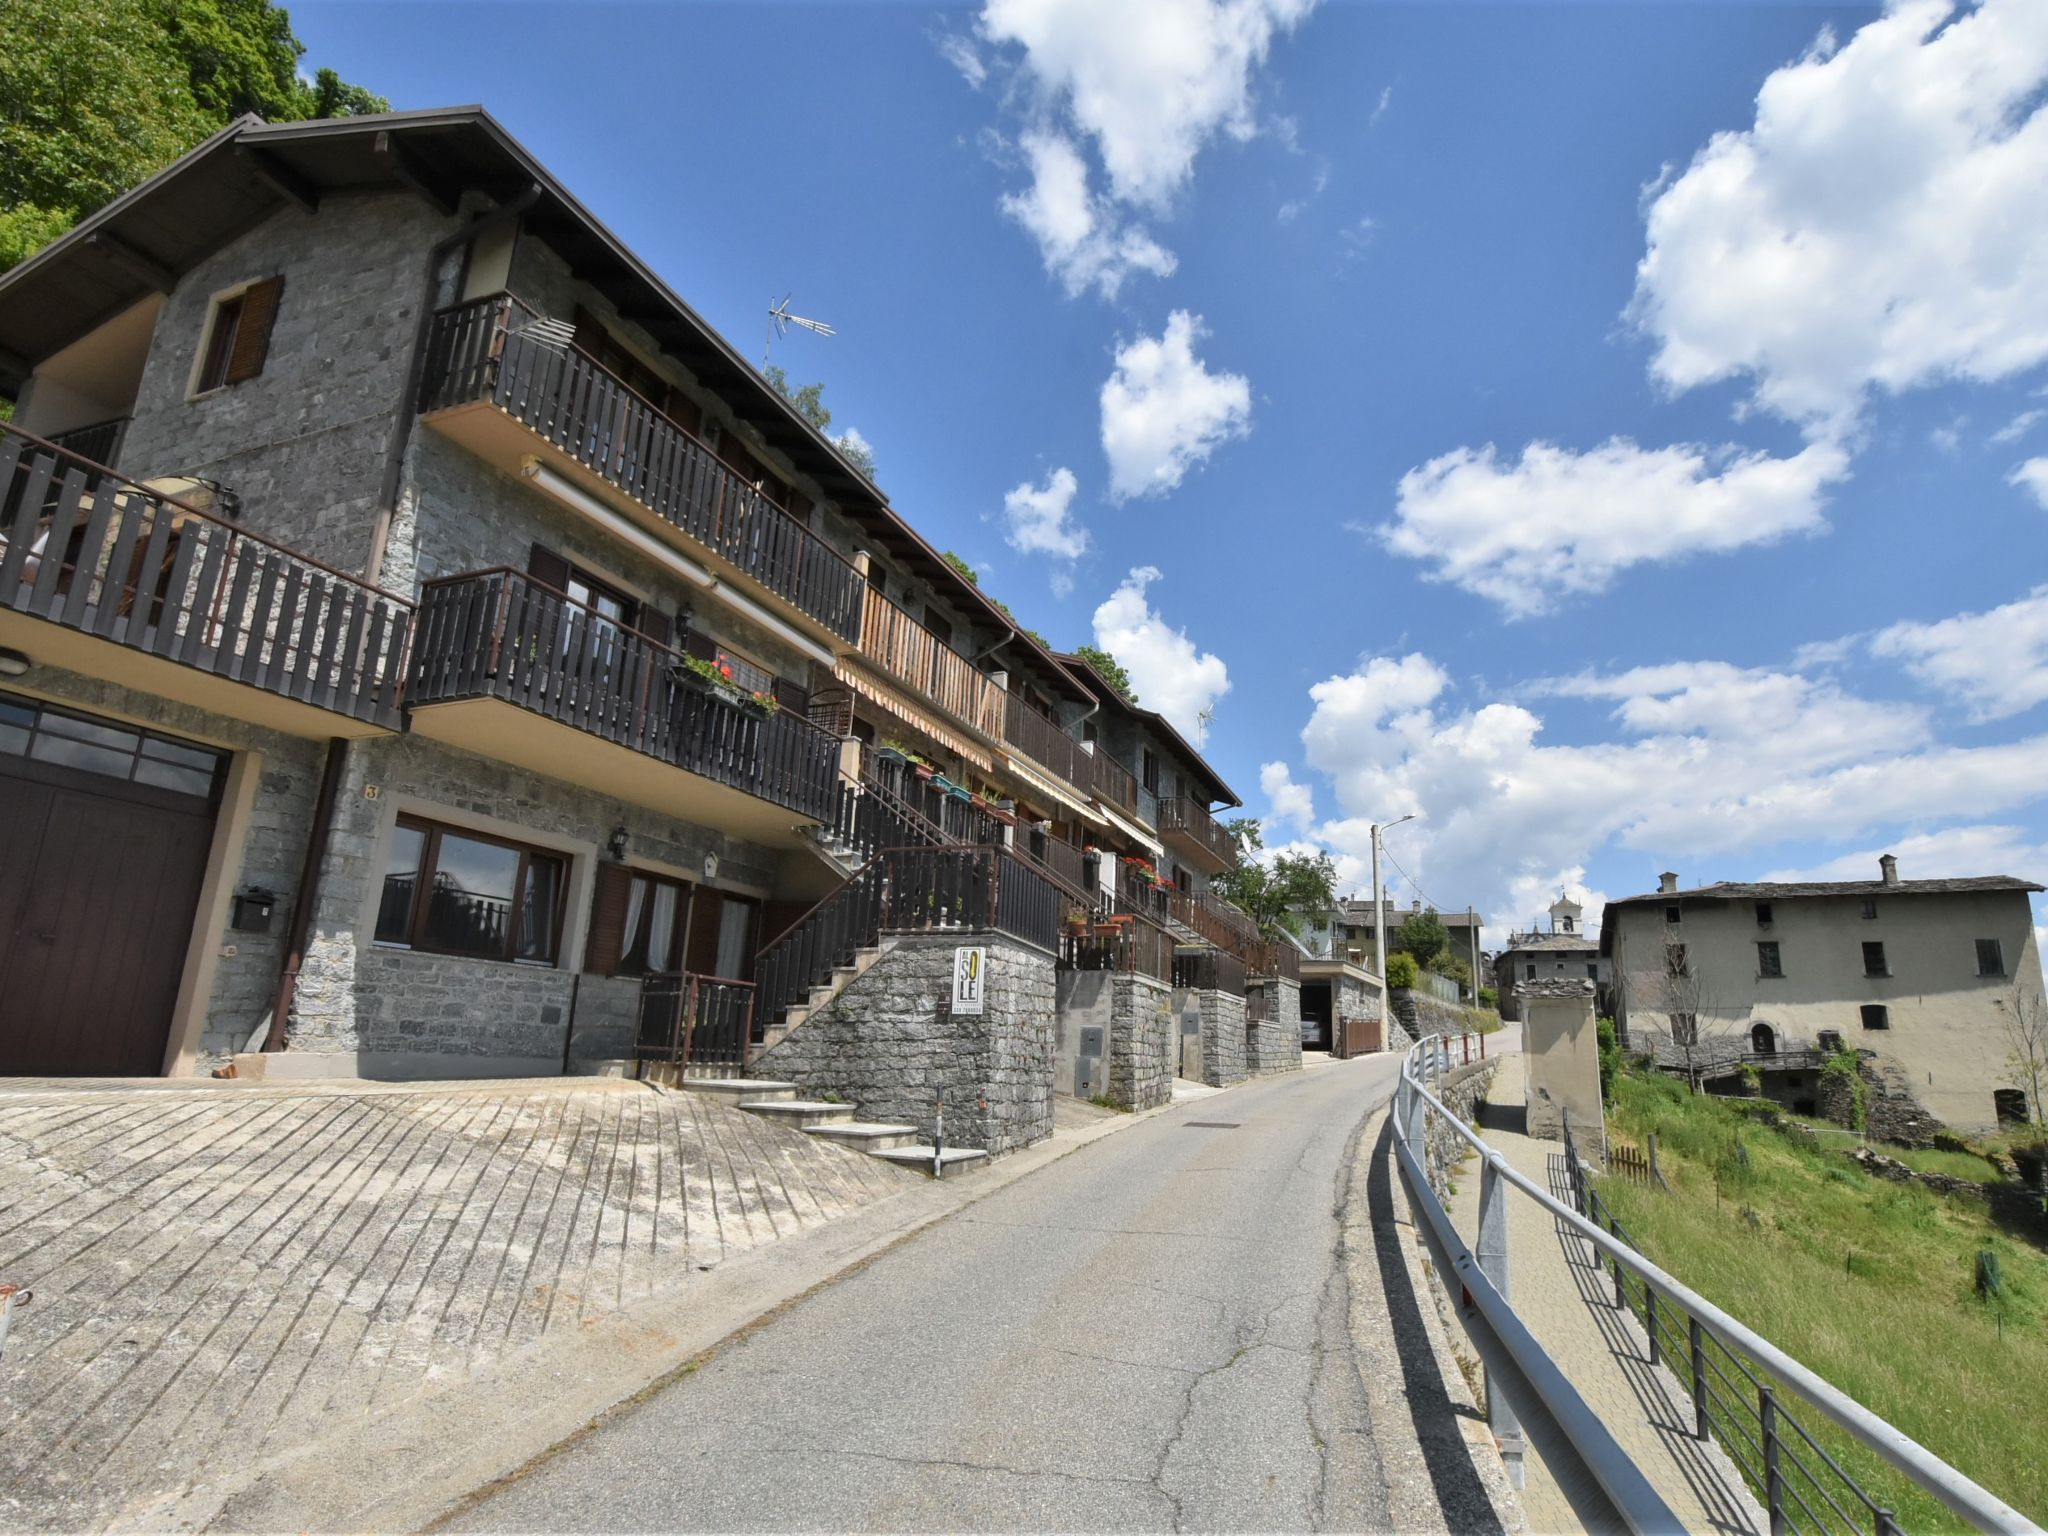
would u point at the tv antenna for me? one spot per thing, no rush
(780, 320)
(1202, 723)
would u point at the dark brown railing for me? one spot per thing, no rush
(1122, 942)
(100, 442)
(501, 634)
(1209, 970)
(82, 547)
(1221, 925)
(1191, 820)
(1092, 772)
(1275, 957)
(485, 350)
(702, 1026)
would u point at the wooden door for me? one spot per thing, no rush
(97, 893)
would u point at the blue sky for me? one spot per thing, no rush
(1608, 430)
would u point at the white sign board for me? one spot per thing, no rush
(970, 970)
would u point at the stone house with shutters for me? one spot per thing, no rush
(1921, 977)
(429, 647)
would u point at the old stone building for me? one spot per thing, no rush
(1564, 949)
(426, 646)
(1924, 975)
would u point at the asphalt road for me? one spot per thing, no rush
(1147, 1335)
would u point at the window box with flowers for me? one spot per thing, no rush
(717, 678)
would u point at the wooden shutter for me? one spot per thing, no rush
(252, 336)
(608, 920)
(655, 624)
(792, 696)
(700, 645)
(701, 952)
(548, 568)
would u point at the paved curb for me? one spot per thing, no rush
(425, 1460)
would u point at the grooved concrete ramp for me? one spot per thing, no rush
(222, 1272)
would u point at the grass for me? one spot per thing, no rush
(1869, 1283)
(1957, 1165)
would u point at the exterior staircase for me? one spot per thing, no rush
(778, 1102)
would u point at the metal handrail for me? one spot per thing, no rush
(1926, 1470)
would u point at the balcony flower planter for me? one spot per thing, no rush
(891, 755)
(691, 673)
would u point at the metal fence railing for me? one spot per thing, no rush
(1725, 1366)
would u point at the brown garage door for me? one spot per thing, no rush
(103, 838)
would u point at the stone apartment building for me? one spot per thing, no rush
(427, 647)
(1922, 974)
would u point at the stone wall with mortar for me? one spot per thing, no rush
(303, 443)
(1421, 1014)
(891, 1045)
(1223, 1034)
(1461, 1091)
(1274, 1043)
(1142, 1042)
(357, 995)
(271, 856)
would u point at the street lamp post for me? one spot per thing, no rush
(1379, 906)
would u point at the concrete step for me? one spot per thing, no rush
(756, 1090)
(919, 1158)
(802, 1113)
(867, 1135)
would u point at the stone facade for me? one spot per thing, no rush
(357, 995)
(890, 1044)
(1223, 1034)
(304, 443)
(1142, 1042)
(1274, 1043)
(1420, 1013)
(1461, 1090)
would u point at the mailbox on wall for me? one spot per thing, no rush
(253, 909)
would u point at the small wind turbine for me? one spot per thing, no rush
(780, 320)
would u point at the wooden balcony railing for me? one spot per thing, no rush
(1218, 923)
(1275, 957)
(488, 350)
(916, 657)
(82, 547)
(501, 634)
(100, 442)
(1190, 821)
(1044, 742)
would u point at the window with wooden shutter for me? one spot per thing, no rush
(608, 920)
(548, 568)
(656, 625)
(252, 334)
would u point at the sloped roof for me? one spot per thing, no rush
(1568, 943)
(1103, 689)
(1729, 890)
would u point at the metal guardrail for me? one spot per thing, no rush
(1526, 1388)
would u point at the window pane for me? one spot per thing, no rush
(661, 927)
(81, 754)
(93, 731)
(187, 781)
(401, 881)
(178, 752)
(735, 921)
(13, 738)
(15, 712)
(469, 906)
(541, 907)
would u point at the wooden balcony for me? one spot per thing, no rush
(509, 391)
(918, 659)
(1195, 837)
(1091, 772)
(514, 670)
(105, 577)
(1217, 922)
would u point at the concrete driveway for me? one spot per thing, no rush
(225, 1272)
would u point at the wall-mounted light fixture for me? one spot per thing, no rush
(12, 663)
(620, 842)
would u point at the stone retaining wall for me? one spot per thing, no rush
(1142, 1042)
(891, 1045)
(1461, 1089)
(1274, 1043)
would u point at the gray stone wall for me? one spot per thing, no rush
(1142, 1042)
(890, 1044)
(1461, 1090)
(1274, 1044)
(244, 983)
(354, 994)
(1421, 1014)
(303, 443)
(1223, 1035)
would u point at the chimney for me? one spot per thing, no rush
(1889, 868)
(1667, 882)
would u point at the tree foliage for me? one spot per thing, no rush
(1111, 670)
(1279, 893)
(964, 570)
(1423, 935)
(96, 95)
(809, 399)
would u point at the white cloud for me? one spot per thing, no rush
(1164, 412)
(1882, 223)
(2017, 428)
(1706, 765)
(2033, 477)
(1950, 854)
(1081, 237)
(1996, 660)
(1290, 803)
(1290, 211)
(1380, 108)
(961, 53)
(1038, 518)
(1150, 81)
(1556, 524)
(1170, 674)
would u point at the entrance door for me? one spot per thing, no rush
(99, 879)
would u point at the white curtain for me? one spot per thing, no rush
(661, 931)
(735, 918)
(636, 900)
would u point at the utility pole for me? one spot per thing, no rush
(1472, 937)
(1379, 905)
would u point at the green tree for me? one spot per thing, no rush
(1276, 894)
(1111, 670)
(809, 399)
(1423, 935)
(966, 571)
(96, 95)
